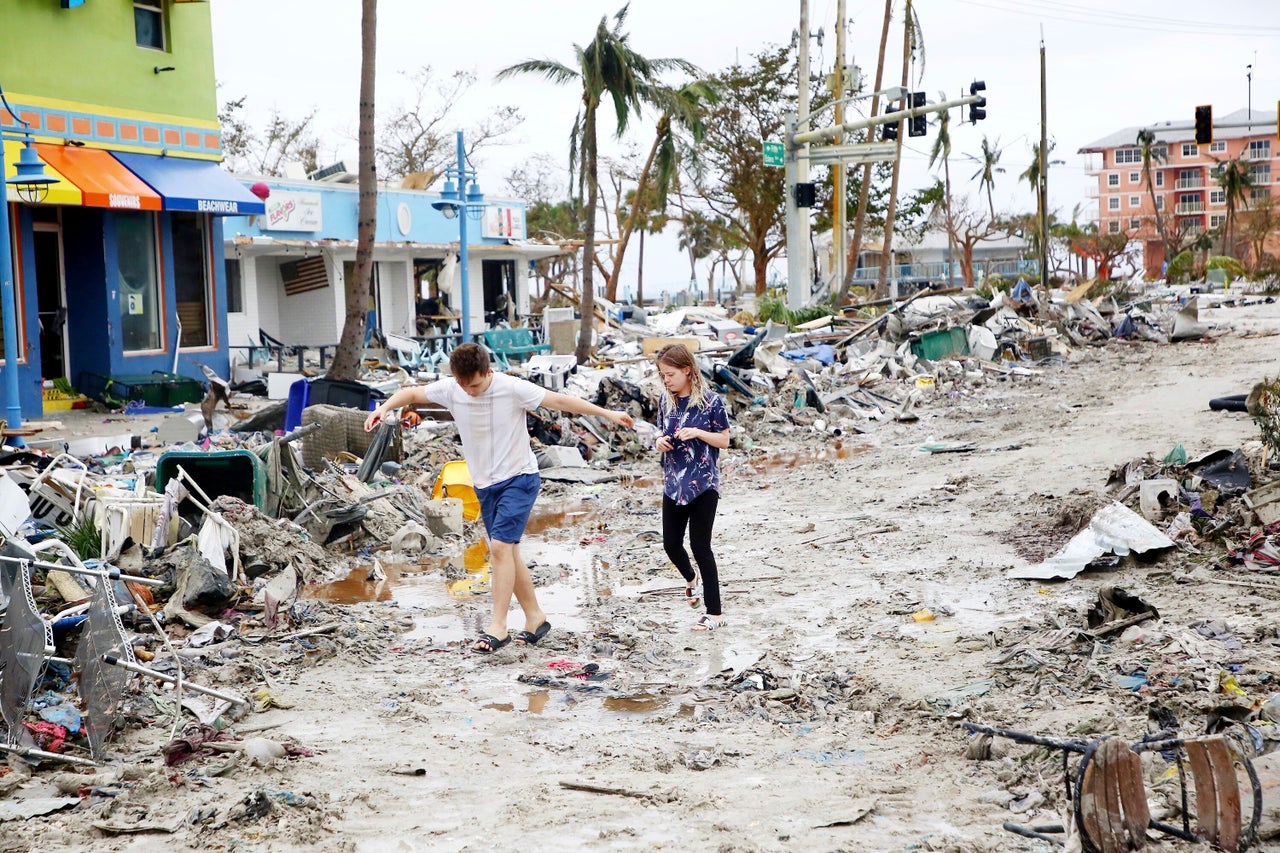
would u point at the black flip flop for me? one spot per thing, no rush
(492, 642)
(531, 638)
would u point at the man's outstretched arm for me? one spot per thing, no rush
(579, 406)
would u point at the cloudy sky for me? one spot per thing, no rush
(1110, 66)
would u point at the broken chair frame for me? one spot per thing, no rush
(1109, 800)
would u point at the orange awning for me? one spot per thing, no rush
(103, 180)
(63, 192)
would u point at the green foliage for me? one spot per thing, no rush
(775, 309)
(1180, 267)
(83, 538)
(1223, 262)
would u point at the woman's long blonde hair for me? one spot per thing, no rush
(679, 356)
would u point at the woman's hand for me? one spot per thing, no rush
(375, 418)
(689, 433)
(663, 444)
(622, 419)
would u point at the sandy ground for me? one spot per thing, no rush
(822, 717)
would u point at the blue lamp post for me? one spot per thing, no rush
(32, 185)
(463, 197)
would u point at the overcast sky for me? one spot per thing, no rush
(1110, 65)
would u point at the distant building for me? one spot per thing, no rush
(1183, 179)
(286, 269)
(118, 271)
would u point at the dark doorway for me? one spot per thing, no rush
(51, 302)
(499, 290)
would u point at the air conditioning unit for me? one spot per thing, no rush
(337, 173)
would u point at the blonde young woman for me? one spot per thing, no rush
(694, 428)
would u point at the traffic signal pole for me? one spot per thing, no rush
(827, 134)
(799, 275)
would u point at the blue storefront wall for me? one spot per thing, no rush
(91, 276)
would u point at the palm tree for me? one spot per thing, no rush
(681, 108)
(1033, 177)
(912, 42)
(1152, 155)
(357, 289)
(1235, 177)
(606, 66)
(942, 148)
(864, 187)
(697, 239)
(990, 166)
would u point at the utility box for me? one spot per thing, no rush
(729, 331)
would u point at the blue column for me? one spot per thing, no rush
(12, 403)
(462, 239)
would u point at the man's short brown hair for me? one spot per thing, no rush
(468, 361)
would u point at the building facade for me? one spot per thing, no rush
(119, 271)
(286, 269)
(1184, 184)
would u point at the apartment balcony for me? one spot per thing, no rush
(1189, 184)
(1188, 207)
(1253, 154)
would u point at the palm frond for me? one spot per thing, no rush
(554, 71)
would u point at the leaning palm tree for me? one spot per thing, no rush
(1153, 155)
(1235, 177)
(682, 108)
(606, 66)
(989, 166)
(356, 289)
(942, 148)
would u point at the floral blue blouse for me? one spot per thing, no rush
(691, 467)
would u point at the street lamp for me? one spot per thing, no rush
(464, 197)
(32, 185)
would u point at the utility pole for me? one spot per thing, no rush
(1044, 172)
(838, 171)
(799, 279)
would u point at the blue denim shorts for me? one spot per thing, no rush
(505, 506)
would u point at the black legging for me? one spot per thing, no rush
(699, 515)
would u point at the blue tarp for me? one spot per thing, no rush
(821, 353)
(196, 185)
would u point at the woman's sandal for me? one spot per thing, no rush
(693, 594)
(706, 622)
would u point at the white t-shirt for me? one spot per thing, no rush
(495, 439)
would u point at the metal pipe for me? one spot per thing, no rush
(40, 753)
(186, 685)
(110, 574)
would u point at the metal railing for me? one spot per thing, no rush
(1190, 207)
(1188, 183)
(936, 272)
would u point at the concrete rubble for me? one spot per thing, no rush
(186, 559)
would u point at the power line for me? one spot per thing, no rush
(1029, 7)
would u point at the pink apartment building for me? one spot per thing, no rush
(1184, 178)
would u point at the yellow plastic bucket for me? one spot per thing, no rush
(454, 481)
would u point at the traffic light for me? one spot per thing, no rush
(919, 124)
(889, 132)
(1204, 124)
(976, 111)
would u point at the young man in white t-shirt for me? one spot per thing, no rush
(489, 409)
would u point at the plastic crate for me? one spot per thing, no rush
(941, 344)
(238, 473)
(152, 389)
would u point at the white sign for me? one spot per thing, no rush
(500, 221)
(292, 211)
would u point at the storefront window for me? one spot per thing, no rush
(139, 285)
(191, 278)
(235, 287)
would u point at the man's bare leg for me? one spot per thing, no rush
(533, 614)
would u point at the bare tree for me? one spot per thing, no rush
(265, 150)
(419, 136)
